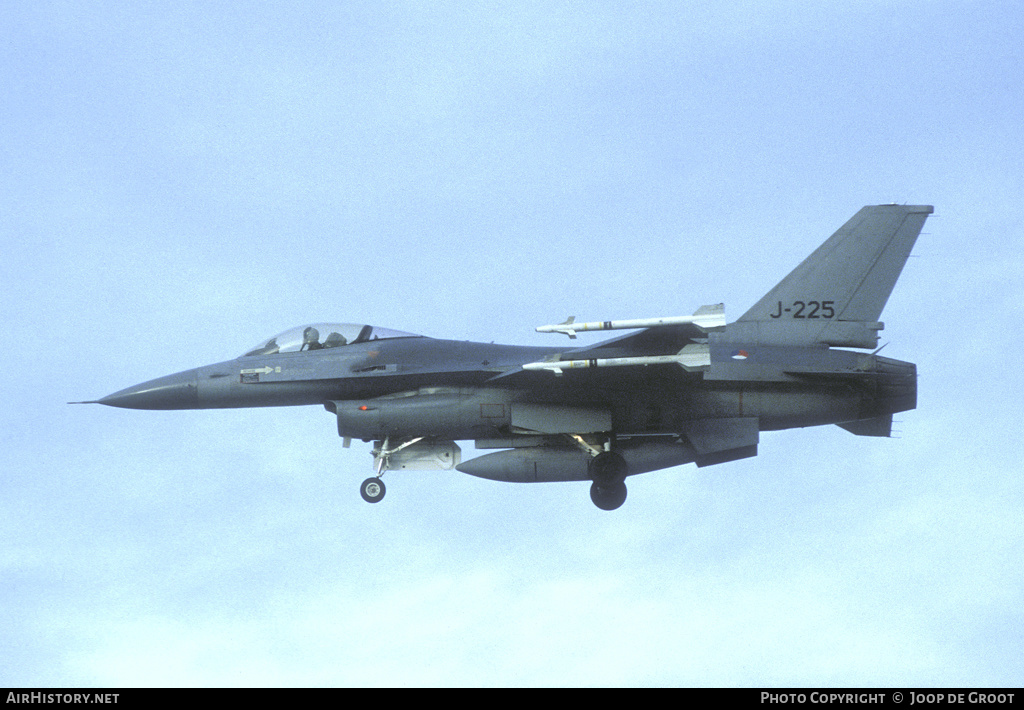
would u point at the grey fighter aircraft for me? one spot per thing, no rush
(674, 391)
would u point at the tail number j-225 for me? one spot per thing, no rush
(806, 309)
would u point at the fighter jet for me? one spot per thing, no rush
(672, 391)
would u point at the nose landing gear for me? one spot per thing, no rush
(372, 490)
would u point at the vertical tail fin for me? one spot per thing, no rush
(847, 280)
(854, 270)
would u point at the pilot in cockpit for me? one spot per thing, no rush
(310, 339)
(335, 340)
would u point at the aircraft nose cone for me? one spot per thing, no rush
(178, 391)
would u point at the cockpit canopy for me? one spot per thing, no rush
(320, 336)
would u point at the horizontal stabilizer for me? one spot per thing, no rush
(877, 426)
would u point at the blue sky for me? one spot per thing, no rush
(179, 180)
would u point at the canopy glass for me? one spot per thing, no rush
(320, 336)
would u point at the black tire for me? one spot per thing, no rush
(608, 468)
(372, 490)
(608, 497)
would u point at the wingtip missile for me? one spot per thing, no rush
(565, 327)
(694, 356)
(705, 318)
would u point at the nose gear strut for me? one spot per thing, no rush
(372, 489)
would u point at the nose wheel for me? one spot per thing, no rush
(372, 490)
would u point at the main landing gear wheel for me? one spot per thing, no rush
(608, 470)
(608, 467)
(608, 497)
(372, 490)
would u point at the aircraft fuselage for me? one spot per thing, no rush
(783, 387)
